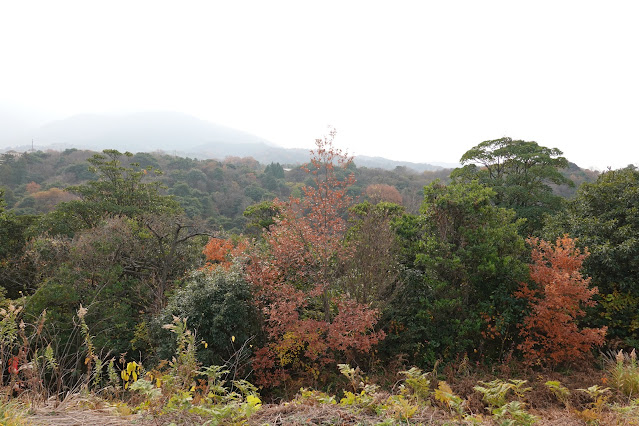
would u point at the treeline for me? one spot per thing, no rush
(218, 191)
(286, 273)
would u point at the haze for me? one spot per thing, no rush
(420, 81)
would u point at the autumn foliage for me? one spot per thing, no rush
(219, 252)
(310, 322)
(379, 192)
(45, 201)
(557, 299)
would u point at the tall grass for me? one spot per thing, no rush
(624, 373)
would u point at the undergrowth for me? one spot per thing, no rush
(183, 391)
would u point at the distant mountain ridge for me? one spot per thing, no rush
(178, 134)
(142, 132)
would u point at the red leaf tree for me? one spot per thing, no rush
(560, 293)
(379, 192)
(219, 252)
(309, 321)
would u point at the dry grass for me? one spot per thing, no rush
(305, 414)
(82, 410)
(540, 401)
(289, 414)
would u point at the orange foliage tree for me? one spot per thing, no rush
(557, 300)
(47, 200)
(33, 187)
(219, 252)
(310, 323)
(379, 192)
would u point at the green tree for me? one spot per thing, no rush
(15, 274)
(467, 258)
(121, 270)
(520, 173)
(118, 250)
(93, 278)
(604, 217)
(119, 189)
(261, 216)
(275, 169)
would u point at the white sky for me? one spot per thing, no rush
(409, 80)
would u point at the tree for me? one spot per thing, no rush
(45, 201)
(463, 260)
(33, 187)
(86, 271)
(604, 216)
(15, 275)
(170, 252)
(520, 173)
(121, 270)
(382, 192)
(261, 216)
(118, 190)
(557, 300)
(309, 323)
(118, 250)
(275, 169)
(371, 273)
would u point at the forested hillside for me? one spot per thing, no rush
(198, 290)
(217, 191)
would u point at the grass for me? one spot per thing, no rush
(13, 413)
(417, 398)
(181, 391)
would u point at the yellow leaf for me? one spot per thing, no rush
(254, 401)
(232, 338)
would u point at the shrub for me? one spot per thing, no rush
(218, 306)
(557, 300)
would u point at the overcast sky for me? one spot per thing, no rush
(409, 80)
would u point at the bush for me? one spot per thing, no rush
(218, 306)
(558, 298)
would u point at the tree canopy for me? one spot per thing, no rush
(467, 260)
(520, 173)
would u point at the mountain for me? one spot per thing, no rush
(385, 163)
(178, 134)
(141, 132)
(17, 125)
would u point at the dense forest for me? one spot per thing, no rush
(500, 292)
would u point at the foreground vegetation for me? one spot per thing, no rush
(183, 391)
(493, 302)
